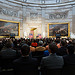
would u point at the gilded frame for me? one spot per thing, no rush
(12, 22)
(59, 24)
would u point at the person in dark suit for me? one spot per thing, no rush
(62, 50)
(70, 58)
(69, 61)
(52, 61)
(39, 52)
(25, 63)
(7, 56)
(8, 52)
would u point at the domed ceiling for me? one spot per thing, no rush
(41, 1)
(45, 1)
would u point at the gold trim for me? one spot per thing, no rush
(12, 22)
(60, 23)
(33, 29)
(68, 29)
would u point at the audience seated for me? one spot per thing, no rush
(40, 47)
(49, 50)
(52, 61)
(39, 52)
(32, 49)
(1, 46)
(7, 56)
(63, 50)
(57, 41)
(34, 43)
(69, 61)
(25, 64)
(70, 58)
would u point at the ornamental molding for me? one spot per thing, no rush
(58, 15)
(20, 2)
(33, 16)
(9, 12)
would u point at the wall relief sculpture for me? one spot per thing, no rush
(33, 16)
(58, 15)
(8, 12)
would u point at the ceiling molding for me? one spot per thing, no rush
(42, 5)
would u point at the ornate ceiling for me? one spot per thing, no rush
(45, 1)
(39, 3)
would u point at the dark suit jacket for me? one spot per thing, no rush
(69, 65)
(69, 59)
(62, 51)
(52, 62)
(8, 53)
(7, 57)
(25, 63)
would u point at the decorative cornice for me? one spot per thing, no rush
(58, 15)
(42, 5)
(8, 12)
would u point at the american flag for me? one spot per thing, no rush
(30, 35)
(40, 36)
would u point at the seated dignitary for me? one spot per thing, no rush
(52, 61)
(25, 63)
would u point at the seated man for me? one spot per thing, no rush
(7, 56)
(25, 63)
(70, 58)
(52, 61)
(62, 50)
(69, 61)
(8, 52)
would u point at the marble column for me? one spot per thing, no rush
(43, 22)
(73, 19)
(24, 21)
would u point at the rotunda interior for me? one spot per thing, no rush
(37, 18)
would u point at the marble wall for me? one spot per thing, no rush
(37, 17)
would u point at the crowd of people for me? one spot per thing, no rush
(33, 54)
